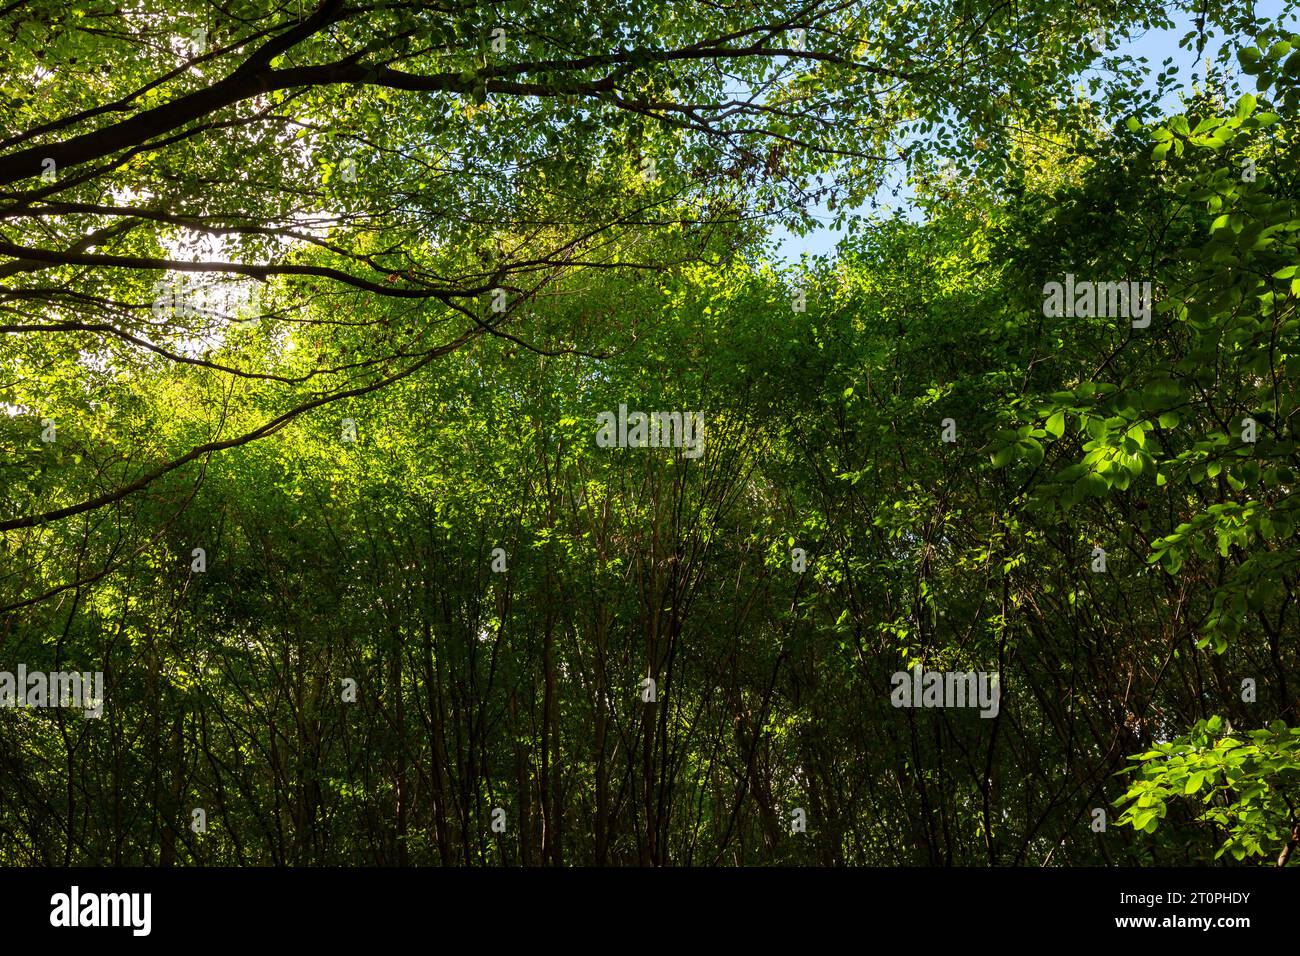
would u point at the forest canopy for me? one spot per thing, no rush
(407, 413)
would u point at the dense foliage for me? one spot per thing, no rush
(336, 294)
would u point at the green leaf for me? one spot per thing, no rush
(1056, 425)
(1033, 450)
